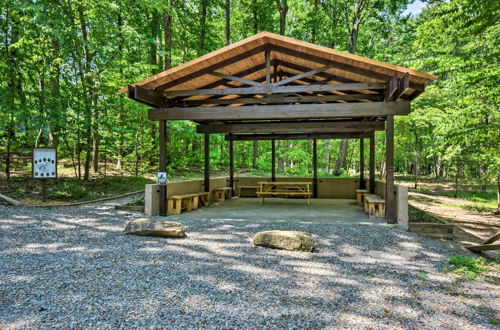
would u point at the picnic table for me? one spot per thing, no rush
(267, 188)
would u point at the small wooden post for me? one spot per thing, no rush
(315, 168)
(390, 193)
(362, 163)
(372, 164)
(44, 190)
(163, 167)
(231, 166)
(207, 162)
(273, 160)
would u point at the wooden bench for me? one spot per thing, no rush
(254, 188)
(375, 206)
(360, 193)
(187, 202)
(220, 194)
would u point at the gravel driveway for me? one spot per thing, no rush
(74, 268)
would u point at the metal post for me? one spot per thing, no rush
(390, 193)
(231, 166)
(207, 162)
(163, 167)
(273, 160)
(362, 163)
(372, 164)
(315, 168)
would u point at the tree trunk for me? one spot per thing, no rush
(255, 14)
(342, 157)
(498, 194)
(457, 174)
(326, 158)
(168, 25)
(203, 26)
(228, 21)
(315, 22)
(255, 154)
(283, 10)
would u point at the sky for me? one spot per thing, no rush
(414, 8)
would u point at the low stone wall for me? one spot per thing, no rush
(436, 230)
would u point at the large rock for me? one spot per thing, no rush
(157, 228)
(285, 240)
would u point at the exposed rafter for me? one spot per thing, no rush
(319, 136)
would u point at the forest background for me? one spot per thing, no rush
(63, 61)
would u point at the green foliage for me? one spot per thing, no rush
(467, 267)
(61, 69)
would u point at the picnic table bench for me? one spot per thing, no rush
(220, 194)
(188, 202)
(286, 189)
(360, 193)
(375, 206)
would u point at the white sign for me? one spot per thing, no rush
(44, 163)
(161, 177)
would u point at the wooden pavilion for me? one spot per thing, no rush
(271, 87)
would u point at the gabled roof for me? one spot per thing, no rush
(246, 59)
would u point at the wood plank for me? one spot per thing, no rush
(343, 66)
(326, 75)
(207, 164)
(9, 200)
(319, 136)
(268, 65)
(302, 75)
(390, 193)
(283, 99)
(403, 86)
(372, 165)
(279, 89)
(484, 247)
(286, 111)
(392, 88)
(146, 96)
(492, 238)
(273, 160)
(211, 68)
(293, 127)
(238, 79)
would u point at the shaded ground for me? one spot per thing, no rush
(294, 210)
(74, 268)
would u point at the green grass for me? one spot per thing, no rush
(417, 215)
(72, 190)
(468, 268)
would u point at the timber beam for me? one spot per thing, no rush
(146, 96)
(283, 99)
(294, 127)
(340, 65)
(283, 111)
(318, 136)
(278, 89)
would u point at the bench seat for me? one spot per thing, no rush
(187, 202)
(360, 193)
(374, 206)
(220, 194)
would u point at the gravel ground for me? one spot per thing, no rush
(74, 268)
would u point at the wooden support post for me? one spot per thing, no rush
(362, 163)
(268, 65)
(390, 193)
(163, 167)
(372, 164)
(207, 162)
(231, 166)
(273, 160)
(315, 168)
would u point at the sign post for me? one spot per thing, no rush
(44, 166)
(161, 179)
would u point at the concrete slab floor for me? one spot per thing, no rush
(323, 211)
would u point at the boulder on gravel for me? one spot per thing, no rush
(285, 240)
(157, 228)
